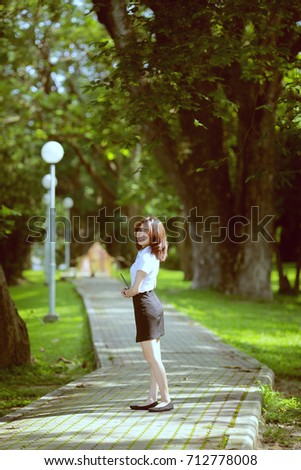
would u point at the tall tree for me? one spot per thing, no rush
(189, 67)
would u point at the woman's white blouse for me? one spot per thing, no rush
(147, 262)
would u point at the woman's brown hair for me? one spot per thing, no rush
(157, 236)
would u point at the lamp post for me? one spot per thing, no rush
(52, 152)
(46, 183)
(46, 201)
(67, 203)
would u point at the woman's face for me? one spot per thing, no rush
(142, 236)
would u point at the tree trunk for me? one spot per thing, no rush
(14, 340)
(284, 284)
(206, 209)
(208, 196)
(298, 269)
(256, 186)
(184, 249)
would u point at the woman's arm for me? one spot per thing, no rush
(134, 289)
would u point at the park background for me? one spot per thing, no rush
(178, 109)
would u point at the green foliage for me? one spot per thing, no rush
(187, 57)
(47, 52)
(45, 56)
(64, 79)
(6, 222)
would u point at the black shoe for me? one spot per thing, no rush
(167, 407)
(145, 407)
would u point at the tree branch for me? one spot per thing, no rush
(113, 15)
(108, 193)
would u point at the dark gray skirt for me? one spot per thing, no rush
(149, 316)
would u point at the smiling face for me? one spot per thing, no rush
(149, 231)
(142, 236)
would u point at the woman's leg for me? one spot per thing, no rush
(152, 354)
(153, 389)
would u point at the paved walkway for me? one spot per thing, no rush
(214, 388)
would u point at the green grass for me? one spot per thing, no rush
(282, 419)
(61, 351)
(279, 409)
(268, 331)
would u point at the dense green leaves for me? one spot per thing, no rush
(156, 112)
(206, 79)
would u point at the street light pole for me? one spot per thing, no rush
(46, 182)
(52, 316)
(52, 152)
(46, 201)
(67, 203)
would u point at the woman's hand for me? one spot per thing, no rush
(125, 293)
(128, 292)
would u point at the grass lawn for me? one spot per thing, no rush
(61, 351)
(268, 331)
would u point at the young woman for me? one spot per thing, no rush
(149, 317)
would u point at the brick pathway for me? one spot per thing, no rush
(214, 388)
